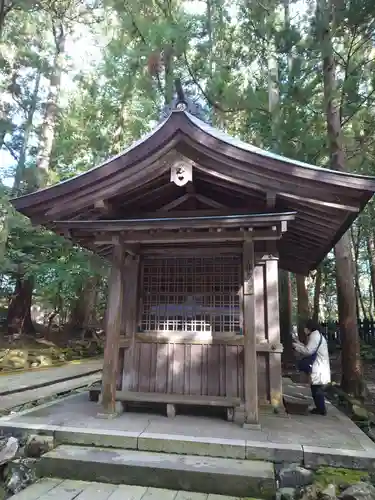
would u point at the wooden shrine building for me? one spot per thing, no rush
(196, 224)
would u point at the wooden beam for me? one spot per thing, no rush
(300, 242)
(113, 332)
(254, 182)
(308, 234)
(270, 200)
(163, 237)
(173, 251)
(115, 239)
(201, 212)
(167, 237)
(66, 234)
(209, 201)
(103, 206)
(273, 329)
(250, 355)
(325, 204)
(221, 222)
(153, 193)
(225, 186)
(150, 167)
(175, 203)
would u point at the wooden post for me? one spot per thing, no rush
(130, 315)
(273, 328)
(259, 305)
(113, 332)
(250, 365)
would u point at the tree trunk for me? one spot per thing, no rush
(303, 308)
(20, 169)
(285, 293)
(77, 313)
(370, 242)
(4, 219)
(5, 7)
(355, 239)
(350, 357)
(51, 111)
(83, 311)
(346, 297)
(210, 33)
(317, 291)
(19, 309)
(168, 74)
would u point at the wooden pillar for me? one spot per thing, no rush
(273, 328)
(259, 305)
(250, 357)
(260, 329)
(130, 317)
(113, 331)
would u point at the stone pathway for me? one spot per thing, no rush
(19, 399)
(29, 379)
(57, 489)
(333, 440)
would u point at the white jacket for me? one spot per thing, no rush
(321, 371)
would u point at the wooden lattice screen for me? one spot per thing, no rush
(195, 294)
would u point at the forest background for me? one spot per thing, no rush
(82, 79)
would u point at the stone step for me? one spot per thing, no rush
(59, 489)
(221, 476)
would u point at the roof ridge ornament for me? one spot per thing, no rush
(181, 102)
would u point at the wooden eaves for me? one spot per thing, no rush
(232, 176)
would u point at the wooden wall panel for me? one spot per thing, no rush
(196, 369)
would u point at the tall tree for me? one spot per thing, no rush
(346, 296)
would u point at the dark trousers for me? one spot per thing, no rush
(318, 397)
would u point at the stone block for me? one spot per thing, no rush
(359, 491)
(189, 445)
(159, 494)
(187, 495)
(37, 444)
(295, 476)
(315, 457)
(274, 452)
(238, 478)
(287, 494)
(97, 437)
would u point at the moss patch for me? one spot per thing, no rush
(330, 475)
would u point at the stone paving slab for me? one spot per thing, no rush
(25, 380)
(160, 470)
(332, 440)
(57, 489)
(22, 398)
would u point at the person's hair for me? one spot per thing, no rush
(312, 325)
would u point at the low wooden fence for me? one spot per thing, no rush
(366, 331)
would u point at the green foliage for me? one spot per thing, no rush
(338, 476)
(222, 52)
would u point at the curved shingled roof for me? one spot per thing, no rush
(326, 201)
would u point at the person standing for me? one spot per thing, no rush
(316, 349)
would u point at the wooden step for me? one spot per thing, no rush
(238, 478)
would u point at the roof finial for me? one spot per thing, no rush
(181, 102)
(180, 92)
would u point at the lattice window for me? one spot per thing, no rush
(195, 294)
